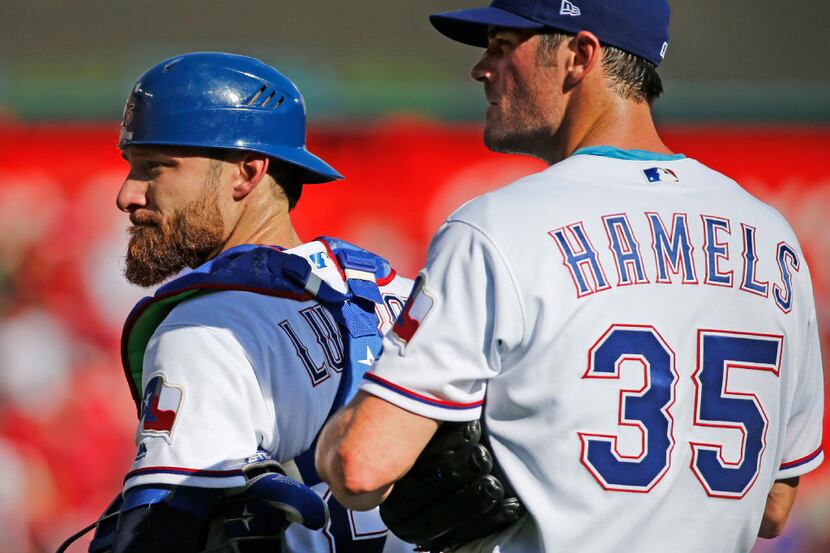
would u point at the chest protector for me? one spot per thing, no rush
(273, 272)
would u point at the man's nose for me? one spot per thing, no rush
(482, 71)
(132, 195)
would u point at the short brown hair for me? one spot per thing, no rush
(632, 77)
(287, 178)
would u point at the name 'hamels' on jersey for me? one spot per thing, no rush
(727, 255)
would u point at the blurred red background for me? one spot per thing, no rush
(66, 417)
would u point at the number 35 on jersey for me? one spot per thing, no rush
(723, 399)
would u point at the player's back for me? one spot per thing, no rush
(234, 376)
(667, 371)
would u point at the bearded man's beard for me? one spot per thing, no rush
(161, 247)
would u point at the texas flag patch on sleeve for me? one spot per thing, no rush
(414, 313)
(159, 407)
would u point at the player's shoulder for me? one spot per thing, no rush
(737, 199)
(567, 181)
(489, 210)
(327, 256)
(396, 284)
(229, 309)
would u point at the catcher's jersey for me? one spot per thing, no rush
(641, 336)
(233, 376)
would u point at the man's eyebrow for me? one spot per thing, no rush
(493, 30)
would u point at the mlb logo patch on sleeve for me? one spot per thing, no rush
(417, 308)
(160, 407)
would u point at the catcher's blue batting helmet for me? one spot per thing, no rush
(216, 100)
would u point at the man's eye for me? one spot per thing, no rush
(500, 43)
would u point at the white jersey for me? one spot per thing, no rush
(233, 374)
(641, 336)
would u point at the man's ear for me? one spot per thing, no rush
(249, 169)
(585, 56)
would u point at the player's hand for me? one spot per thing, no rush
(450, 496)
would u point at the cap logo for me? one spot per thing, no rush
(129, 113)
(663, 50)
(569, 8)
(126, 134)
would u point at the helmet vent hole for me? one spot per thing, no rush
(269, 98)
(257, 95)
(279, 102)
(170, 64)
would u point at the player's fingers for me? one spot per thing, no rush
(436, 480)
(452, 435)
(503, 515)
(475, 499)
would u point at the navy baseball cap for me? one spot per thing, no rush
(640, 27)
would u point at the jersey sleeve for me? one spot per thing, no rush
(202, 409)
(803, 434)
(463, 313)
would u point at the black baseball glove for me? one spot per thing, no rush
(453, 494)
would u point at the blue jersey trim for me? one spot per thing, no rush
(143, 495)
(421, 398)
(184, 472)
(629, 155)
(802, 461)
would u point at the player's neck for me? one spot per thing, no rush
(270, 226)
(616, 122)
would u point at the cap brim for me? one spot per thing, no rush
(470, 26)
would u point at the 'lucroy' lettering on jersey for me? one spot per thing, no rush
(674, 254)
(328, 338)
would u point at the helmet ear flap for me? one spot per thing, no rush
(225, 101)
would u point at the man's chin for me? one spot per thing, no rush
(503, 143)
(145, 277)
(150, 266)
(516, 141)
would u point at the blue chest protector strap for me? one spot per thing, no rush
(355, 313)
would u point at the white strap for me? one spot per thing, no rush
(359, 275)
(313, 284)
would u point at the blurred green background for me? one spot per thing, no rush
(736, 60)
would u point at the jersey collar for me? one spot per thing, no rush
(630, 155)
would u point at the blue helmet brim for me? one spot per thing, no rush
(470, 26)
(313, 170)
(310, 168)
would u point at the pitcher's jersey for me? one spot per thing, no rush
(231, 376)
(641, 336)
